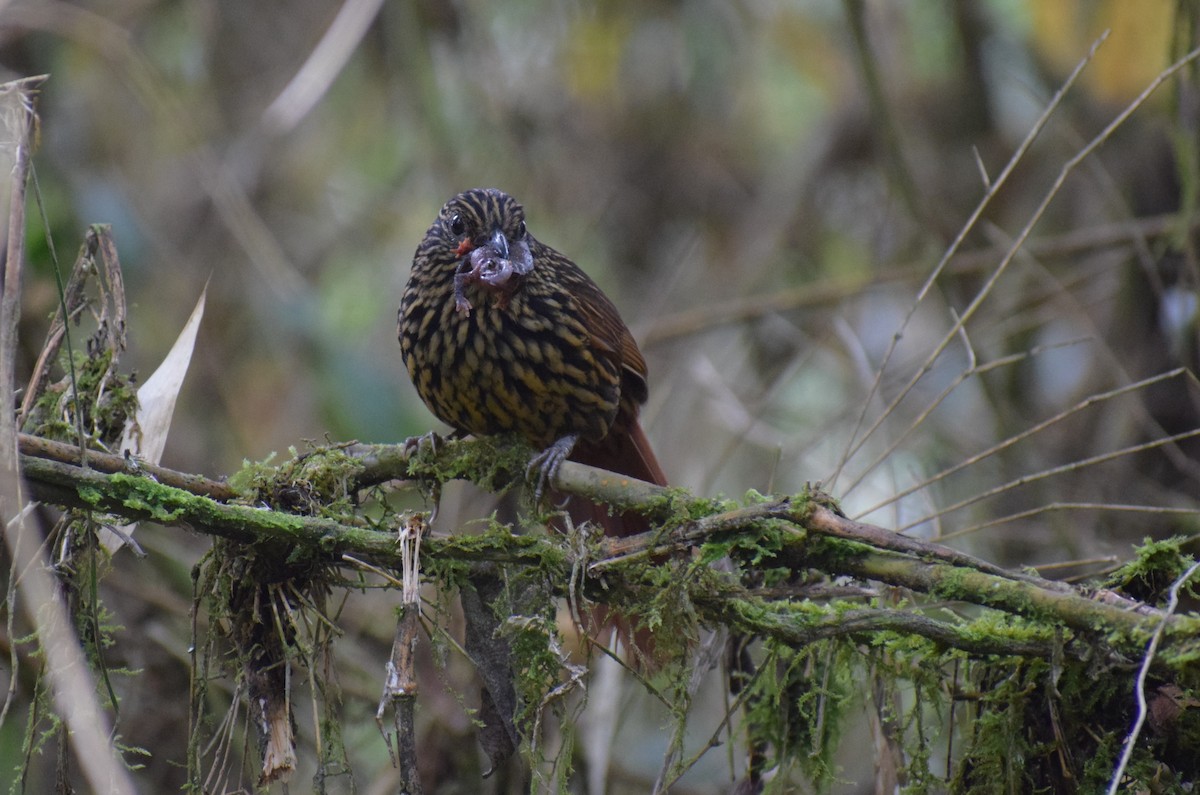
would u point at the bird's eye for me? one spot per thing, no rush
(521, 230)
(457, 225)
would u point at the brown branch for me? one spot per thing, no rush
(860, 550)
(812, 516)
(47, 449)
(865, 622)
(920, 566)
(138, 498)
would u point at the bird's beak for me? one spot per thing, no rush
(499, 243)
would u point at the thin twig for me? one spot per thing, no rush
(51, 450)
(1020, 239)
(883, 123)
(833, 291)
(1025, 480)
(323, 65)
(1113, 507)
(1143, 672)
(973, 369)
(1086, 403)
(853, 446)
(704, 659)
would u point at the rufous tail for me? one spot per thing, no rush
(627, 452)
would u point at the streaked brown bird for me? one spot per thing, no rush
(501, 333)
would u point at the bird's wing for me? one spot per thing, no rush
(611, 337)
(609, 334)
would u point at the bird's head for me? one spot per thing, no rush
(481, 234)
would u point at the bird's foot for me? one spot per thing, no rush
(429, 443)
(544, 466)
(419, 445)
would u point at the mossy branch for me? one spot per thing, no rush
(805, 533)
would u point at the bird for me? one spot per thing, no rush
(501, 333)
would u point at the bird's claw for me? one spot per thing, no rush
(419, 445)
(543, 467)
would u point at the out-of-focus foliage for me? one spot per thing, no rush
(762, 187)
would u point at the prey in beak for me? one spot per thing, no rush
(496, 265)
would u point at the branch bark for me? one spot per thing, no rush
(809, 533)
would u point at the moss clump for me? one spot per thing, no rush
(100, 401)
(267, 616)
(450, 558)
(1155, 567)
(494, 463)
(253, 477)
(666, 607)
(993, 625)
(795, 705)
(317, 482)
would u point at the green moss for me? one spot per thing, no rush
(168, 504)
(750, 546)
(90, 495)
(253, 477)
(1155, 567)
(999, 755)
(266, 619)
(755, 497)
(953, 584)
(497, 537)
(100, 401)
(45, 417)
(162, 503)
(688, 508)
(796, 704)
(754, 544)
(956, 583)
(493, 462)
(669, 612)
(1098, 770)
(318, 482)
(993, 625)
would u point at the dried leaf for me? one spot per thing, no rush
(146, 433)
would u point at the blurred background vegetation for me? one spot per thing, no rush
(762, 187)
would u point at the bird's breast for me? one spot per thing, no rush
(526, 367)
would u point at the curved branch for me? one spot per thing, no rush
(808, 533)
